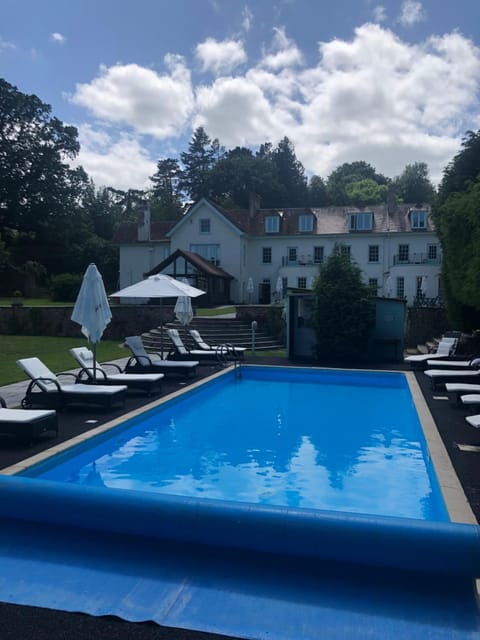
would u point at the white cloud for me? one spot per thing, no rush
(411, 12)
(374, 97)
(247, 19)
(120, 163)
(150, 103)
(5, 45)
(57, 37)
(283, 52)
(379, 13)
(220, 57)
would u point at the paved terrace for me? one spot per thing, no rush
(462, 443)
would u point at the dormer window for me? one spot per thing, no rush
(272, 224)
(361, 221)
(418, 219)
(305, 223)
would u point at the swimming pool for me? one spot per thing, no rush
(318, 439)
(230, 566)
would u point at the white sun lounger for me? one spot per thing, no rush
(473, 421)
(141, 361)
(201, 344)
(470, 398)
(442, 376)
(454, 364)
(46, 389)
(148, 382)
(26, 424)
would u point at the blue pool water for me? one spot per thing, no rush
(316, 439)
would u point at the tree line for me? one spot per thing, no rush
(55, 220)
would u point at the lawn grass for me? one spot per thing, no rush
(52, 351)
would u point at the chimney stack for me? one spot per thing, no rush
(143, 222)
(253, 204)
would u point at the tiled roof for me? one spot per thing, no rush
(327, 221)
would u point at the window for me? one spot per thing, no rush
(419, 288)
(373, 253)
(210, 252)
(345, 250)
(267, 255)
(432, 252)
(403, 252)
(272, 224)
(204, 225)
(318, 255)
(302, 283)
(418, 219)
(305, 223)
(373, 284)
(292, 254)
(361, 221)
(401, 287)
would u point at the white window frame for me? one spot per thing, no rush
(418, 219)
(361, 221)
(265, 251)
(318, 259)
(272, 224)
(204, 222)
(305, 223)
(373, 248)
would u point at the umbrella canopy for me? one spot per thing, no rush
(183, 310)
(92, 311)
(158, 286)
(388, 290)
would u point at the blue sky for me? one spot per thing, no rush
(388, 82)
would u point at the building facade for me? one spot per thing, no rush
(264, 251)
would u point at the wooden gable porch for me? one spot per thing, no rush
(200, 273)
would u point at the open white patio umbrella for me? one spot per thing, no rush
(159, 286)
(91, 309)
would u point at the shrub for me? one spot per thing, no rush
(344, 310)
(65, 287)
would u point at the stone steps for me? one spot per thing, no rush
(214, 331)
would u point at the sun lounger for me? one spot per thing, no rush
(473, 363)
(143, 362)
(220, 355)
(26, 424)
(93, 372)
(457, 389)
(201, 344)
(446, 347)
(47, 390)
(469, 399)
(474, 421)
(441, 376)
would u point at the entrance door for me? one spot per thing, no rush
(264, 292)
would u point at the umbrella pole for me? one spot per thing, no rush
(94, 362)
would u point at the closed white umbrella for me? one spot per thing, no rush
(250, 289)
(279, 288)
(91, 309)
(388, 287)
(424, 285)
(183, 310)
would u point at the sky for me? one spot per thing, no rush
(387, 82)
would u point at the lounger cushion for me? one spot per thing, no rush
(470, 398)
(24, 415)
(474, 421)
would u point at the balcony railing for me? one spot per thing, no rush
(301, 260)
(416, 258)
